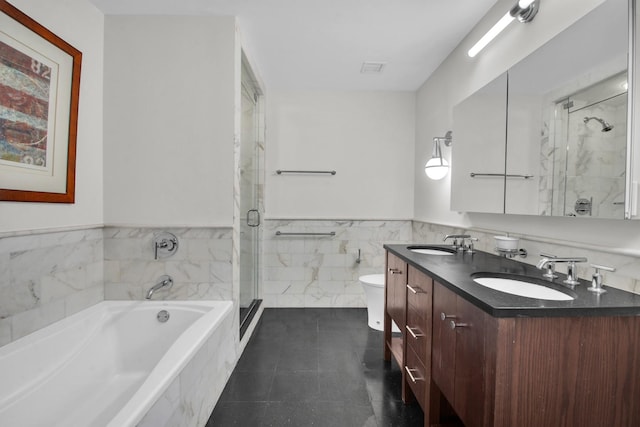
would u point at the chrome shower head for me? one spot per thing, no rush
(606, 127)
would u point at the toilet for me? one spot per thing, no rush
(373, 285)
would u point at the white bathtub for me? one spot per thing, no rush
(114, 364)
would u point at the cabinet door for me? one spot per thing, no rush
(396, 289)
(444, 340)
(469, 377)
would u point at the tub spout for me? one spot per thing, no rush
(164, 282)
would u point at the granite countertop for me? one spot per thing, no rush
(454, 272)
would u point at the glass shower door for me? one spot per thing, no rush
(249, 200)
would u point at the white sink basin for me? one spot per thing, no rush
(523, 289)
(428, 250)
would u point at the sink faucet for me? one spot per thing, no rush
(549, 262)
(164, 282)
(458, 244)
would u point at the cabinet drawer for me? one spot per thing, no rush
(419, 289)
(416, 376)
(416, 333)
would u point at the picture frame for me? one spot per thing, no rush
(39, 97)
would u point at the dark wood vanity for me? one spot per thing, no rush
(478, 358)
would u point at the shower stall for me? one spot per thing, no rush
(589, 151)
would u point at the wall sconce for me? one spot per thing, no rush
(437, 167)
(524, 11)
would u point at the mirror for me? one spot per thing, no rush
(483, 136)
(566, 128)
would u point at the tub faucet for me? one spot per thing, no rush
(164, 282)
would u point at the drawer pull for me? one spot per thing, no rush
(415, 290)
(455, 325)
(413, 379)
(413, 334)
(446, 316)
(395, 271)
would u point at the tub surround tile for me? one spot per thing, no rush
(201, 269)
(47, 276)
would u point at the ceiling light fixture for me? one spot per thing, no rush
(523, 10)
(437, 167)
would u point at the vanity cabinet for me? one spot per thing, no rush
(418, 334)
(458, 354)
(458, 359)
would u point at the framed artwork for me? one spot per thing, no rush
(39, 90)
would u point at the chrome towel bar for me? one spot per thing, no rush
(280, 233)
(280, 172)
(474, 174)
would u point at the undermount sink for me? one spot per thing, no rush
(431, 250)
(522, 288)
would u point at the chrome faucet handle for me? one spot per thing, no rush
(571, 274)
(596, 279)
(469, 246)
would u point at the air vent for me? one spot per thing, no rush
(370, 67)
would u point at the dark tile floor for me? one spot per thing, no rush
(314, 367)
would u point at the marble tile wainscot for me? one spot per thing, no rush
(312, 271)
(46, 276)
(626, 276)
(201, 268)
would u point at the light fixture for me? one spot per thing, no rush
(523, 10)
(437, 167)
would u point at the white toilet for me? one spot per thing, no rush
(373, 285)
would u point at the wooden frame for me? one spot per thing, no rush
(39, 91)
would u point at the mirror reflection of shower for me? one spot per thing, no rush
(606, 127)
(590, 141)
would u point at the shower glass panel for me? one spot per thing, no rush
(590, 151)
(249, 200)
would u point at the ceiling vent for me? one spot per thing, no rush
(370, 67)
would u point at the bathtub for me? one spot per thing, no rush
(116, 364)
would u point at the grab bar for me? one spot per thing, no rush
(280, 172)
(474, 174)
(280, 233)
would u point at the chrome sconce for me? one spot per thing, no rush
(437, 167)
(524, 11)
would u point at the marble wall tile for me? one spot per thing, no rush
(626, 276)
(321, 271)
(47, 276)
(200, 268)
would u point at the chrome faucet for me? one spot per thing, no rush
(549, 262)
(164, 282)
(458, 244)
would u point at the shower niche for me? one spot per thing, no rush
(564, 145)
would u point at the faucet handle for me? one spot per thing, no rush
(469, 246)
(596, 279)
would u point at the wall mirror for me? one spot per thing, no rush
(565, 151)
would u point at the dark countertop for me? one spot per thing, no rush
(454, 272)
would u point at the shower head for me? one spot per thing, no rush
(606, 127)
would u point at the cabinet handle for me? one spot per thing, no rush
(446, 316)
(413, 379)
(413, 334)
(395, 271)
(454, 325)
(415, 290)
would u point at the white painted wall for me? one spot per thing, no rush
(460, 76)
(366, 137)
(80, 24)
(169, 120)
